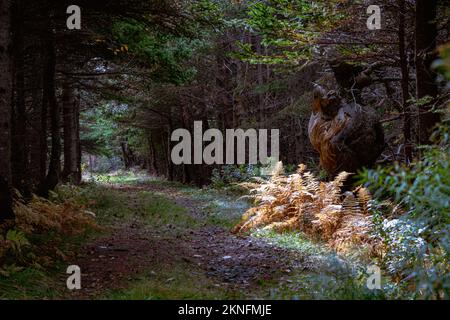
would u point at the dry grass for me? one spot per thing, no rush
(318, 209)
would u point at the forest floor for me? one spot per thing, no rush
(162, 240)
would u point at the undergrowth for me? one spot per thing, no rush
(324, 274)
(417, 232)
(318, 209)
(404, 227)
(40, 230)
(44, 233)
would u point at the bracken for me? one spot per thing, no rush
(318, 209)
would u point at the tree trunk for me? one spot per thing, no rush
(43, 144)
(44, 114)
(404, 82)
(68, 129)
(34, 129)
(19, 136)
(168, 150)
(426, 53)
(5, 111)
(153, 166)
(127, 155)
(54, 169)
(224, 80)
(79, 173)
(70, 111)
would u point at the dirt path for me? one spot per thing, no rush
(131, 249)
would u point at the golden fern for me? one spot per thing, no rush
(318, 209)
(41, 215)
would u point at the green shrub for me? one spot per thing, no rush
(231, 174)
(417, 233)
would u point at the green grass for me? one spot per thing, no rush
(327, 275)
(119, 177)
(157, 211)
(175, 282)
(30, 283)
(220, 209)
(293, 241)
(112, 205)
(311, 286)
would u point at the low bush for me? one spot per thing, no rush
(417, 232)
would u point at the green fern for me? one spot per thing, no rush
(17, 240)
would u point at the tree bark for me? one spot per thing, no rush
(153, 166)
(71, 137)
(43, 144)
(79, 173)
(54, 170)
(6, 79)
(168, 150)
(127, 155)
(34, 129)
(426, 53)
(19, 132)
(404, 82)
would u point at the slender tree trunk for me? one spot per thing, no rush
(68, 128)
(127, 155)
(6, 79)
(204, 171)
(224, 80)
(46, 74)
(43, 144)
(20, 150)
(78, 176)
(404, 82)
(54, 169)
(168, 150)
(426, 53)
(152, 167)
(70, 111)
(260, 82)
(34, 130)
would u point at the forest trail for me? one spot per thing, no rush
(192, 256)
